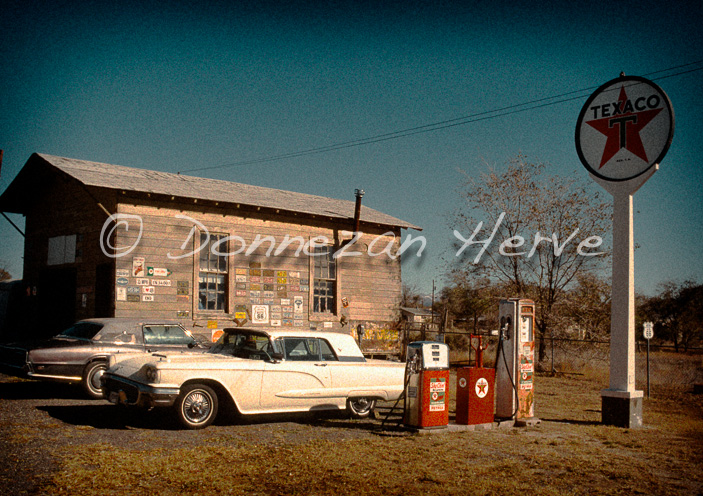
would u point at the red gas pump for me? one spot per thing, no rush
(475, 390)
(427, 385)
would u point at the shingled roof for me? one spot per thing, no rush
(117, 177)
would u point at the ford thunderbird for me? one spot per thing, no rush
(256, 371)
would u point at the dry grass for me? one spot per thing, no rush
(568, 453)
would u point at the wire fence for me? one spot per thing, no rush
(591, 360)
(667, 367)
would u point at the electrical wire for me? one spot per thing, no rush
(445, 124)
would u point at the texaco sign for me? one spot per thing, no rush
(625, 127)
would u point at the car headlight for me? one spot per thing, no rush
(152, 374)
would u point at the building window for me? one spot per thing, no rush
(324, 280)
(62, 250)
(212, 276)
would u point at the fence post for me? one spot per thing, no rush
(554, 371)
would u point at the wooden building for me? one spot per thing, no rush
(105, 240)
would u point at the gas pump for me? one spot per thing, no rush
(427, 385)
(475, 390)
(515, 360)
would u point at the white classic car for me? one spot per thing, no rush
(256, 371)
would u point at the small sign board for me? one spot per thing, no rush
(648, 330)
(260, 314)
(158, 272)
(138, 268)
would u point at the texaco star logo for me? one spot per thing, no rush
(623, 124)
(624, 128)
(481, 387)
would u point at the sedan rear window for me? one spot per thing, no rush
(166, 334)
(308, 350)
(243, 345)
(82, 330)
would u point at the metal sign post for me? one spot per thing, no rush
(624, 130)
(648, 334)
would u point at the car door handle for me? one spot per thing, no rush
(320, 365)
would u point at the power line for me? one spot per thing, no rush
(445, 124)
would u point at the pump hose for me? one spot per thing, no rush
(402, 396)
(507, 369)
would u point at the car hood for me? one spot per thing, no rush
(130, 364)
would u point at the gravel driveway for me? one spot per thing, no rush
(37, 419)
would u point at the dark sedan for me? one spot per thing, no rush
(80, 353)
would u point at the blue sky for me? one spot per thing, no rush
(178, 86)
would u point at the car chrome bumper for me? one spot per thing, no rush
(123, 391)
(69, 378)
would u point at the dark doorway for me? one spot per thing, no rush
(56, 293)
(103, 290)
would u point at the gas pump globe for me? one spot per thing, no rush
(515, 367)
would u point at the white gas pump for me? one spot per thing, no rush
(427, 385)
(515, 360)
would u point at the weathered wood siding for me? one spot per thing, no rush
(370, 284)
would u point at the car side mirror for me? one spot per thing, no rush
(277, 356)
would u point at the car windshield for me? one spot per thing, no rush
(243, 344)
(81, 330)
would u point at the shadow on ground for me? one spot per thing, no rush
(103, 415)
(37, 390)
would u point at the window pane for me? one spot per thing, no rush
(323, 296)
(327, 353)
(213, 275)
(324, 275)
(203, 251)
(298, 349)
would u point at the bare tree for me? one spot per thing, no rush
(410, 296)
(585, 308)
(4, 274)
(677, 313)
(530, 231)
(473, 301)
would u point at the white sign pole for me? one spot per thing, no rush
(622, 316)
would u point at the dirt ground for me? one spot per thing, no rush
(53, 441)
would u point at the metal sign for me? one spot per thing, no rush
(624, 128)
(648, 330)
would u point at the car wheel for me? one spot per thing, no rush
(196, 406)
(360, 407)
(91, 379)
